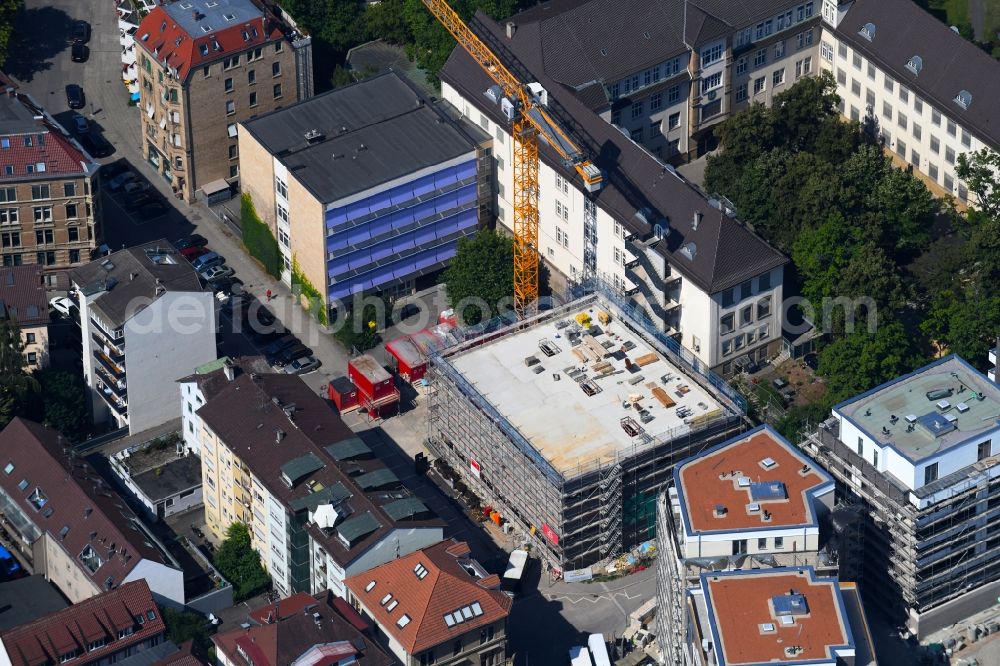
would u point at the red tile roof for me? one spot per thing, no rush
(22, 295)
(742, 602)
(445, 588)
(708, 480)
(281, 633)
(81, 502)
(49, 145)
(178, 49)
(74, 628)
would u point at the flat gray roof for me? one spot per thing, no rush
(364, 134)
(173, 478)
(27, 599)
(548, 404)
(927, 411)
(214, 14)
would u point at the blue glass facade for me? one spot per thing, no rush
(395, 234)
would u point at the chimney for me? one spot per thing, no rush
(695, 220)
(511, 29)
(230, 371)
(279, 435)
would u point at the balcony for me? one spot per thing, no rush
(116, 336)
(117, 386)
(117, 405)
(648, 300)
(111, 350)
(115, 370)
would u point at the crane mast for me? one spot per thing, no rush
(530, 120)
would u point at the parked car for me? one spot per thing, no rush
(79, 53)
(280, 345)
(153, 209)
(80, 124)
(214, 272)
(193, 252)
(230, 284)
(207, 260)
(265, 337)
(96, 145)
(135, 186)
(286, 356)
(62, 304)
(194, 240)
(301, 366)
(81, 32)
(119, 181)
(75, 97)
(263, 315)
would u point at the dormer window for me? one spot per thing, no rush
(915, 64)
(963, 99)
(868, 31)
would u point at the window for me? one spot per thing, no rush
(8, 216)
(935, 145)
(71, 213)
(889, 84)
(229, 63)
(826, 51)
(728, 297)
(861, 447)
(277, 46)
(951, 128)
(856, 88)
(779, 77)
(230, 107)
(655, 129)
(935, 118)
(764, 307)
(275, 69)
(914, 158)
(741, 66)
(44, 237)
(779, 543)
(12, 260)
(758, 85)
(870, 100)
(930, 473)
(779, 50)
(69, 189)
(904, 94)
(281, 188)
(857, 61)
(949, 155)
(233, 152)
(985, 449)
(901, 119)
(761, 544)
(917, 131)
(253, 99)
(10, 239)
(760, 58)
(43, 214)
(673, 94)
(655, 101)
(616, 117)
(871, 71)
(901, 148)
(457, 648)
(74, 256)
(636, 110)
(711, 55)
(562, 185)
(966, 139)
(918, 105)
(932, 171)
(887, 110)
(562, 211)
(727, 347)
(47, 258)
(674, 120)
(708, 83)
(38, 192)
(741, 92)
(727, 323)
(96, 644)
(277, 91)
(228, 84)
(746, 315)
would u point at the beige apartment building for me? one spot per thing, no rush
(204, 67)
(47, 185)
(23, 301)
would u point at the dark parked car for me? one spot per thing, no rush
(97, 146)
(81, 32)
(79, 53)
(153, 209)
(264, 316)
(194, 240)
(281, 344)
(286, 356)
(75, 97)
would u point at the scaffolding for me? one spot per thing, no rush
(581, 514)
(935, 543)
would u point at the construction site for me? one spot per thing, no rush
(568, 424)
(930, 555)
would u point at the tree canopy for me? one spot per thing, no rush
(17, 387)
(481, 275)
(239, 563)
(8, 12)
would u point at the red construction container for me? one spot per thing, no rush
(370, 377)
(343, 393)
(410, 364)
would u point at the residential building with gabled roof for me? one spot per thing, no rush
(23, 301)
(436, 606)
(73, 527)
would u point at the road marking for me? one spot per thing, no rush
(594, 598)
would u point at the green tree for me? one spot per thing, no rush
(16, 386)
(481, 275)
(864, 359)
(239, 563)
(801, 112)
(184, 626)
(8, 13)
(979, 170)
(358, 329)
(64, 403)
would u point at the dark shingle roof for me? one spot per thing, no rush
(370, 133)
(131, 276)
(22, 295)
(78, 498)
(726, 251)
(950, 62)
(27, 599)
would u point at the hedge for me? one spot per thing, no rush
(258, 239)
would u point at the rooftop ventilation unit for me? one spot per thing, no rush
(915, 64)
(911, 418)
(950, 418)
(962, 407)
(943, 405)
(768, 463)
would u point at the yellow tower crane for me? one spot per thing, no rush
(529, 120)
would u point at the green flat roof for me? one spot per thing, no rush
(358, 527)
(348, 449)
(405, 509)
(376, 479)
(297, 469)
(211, 366)
(332, 494)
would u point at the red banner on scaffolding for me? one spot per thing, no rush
(552, 536)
